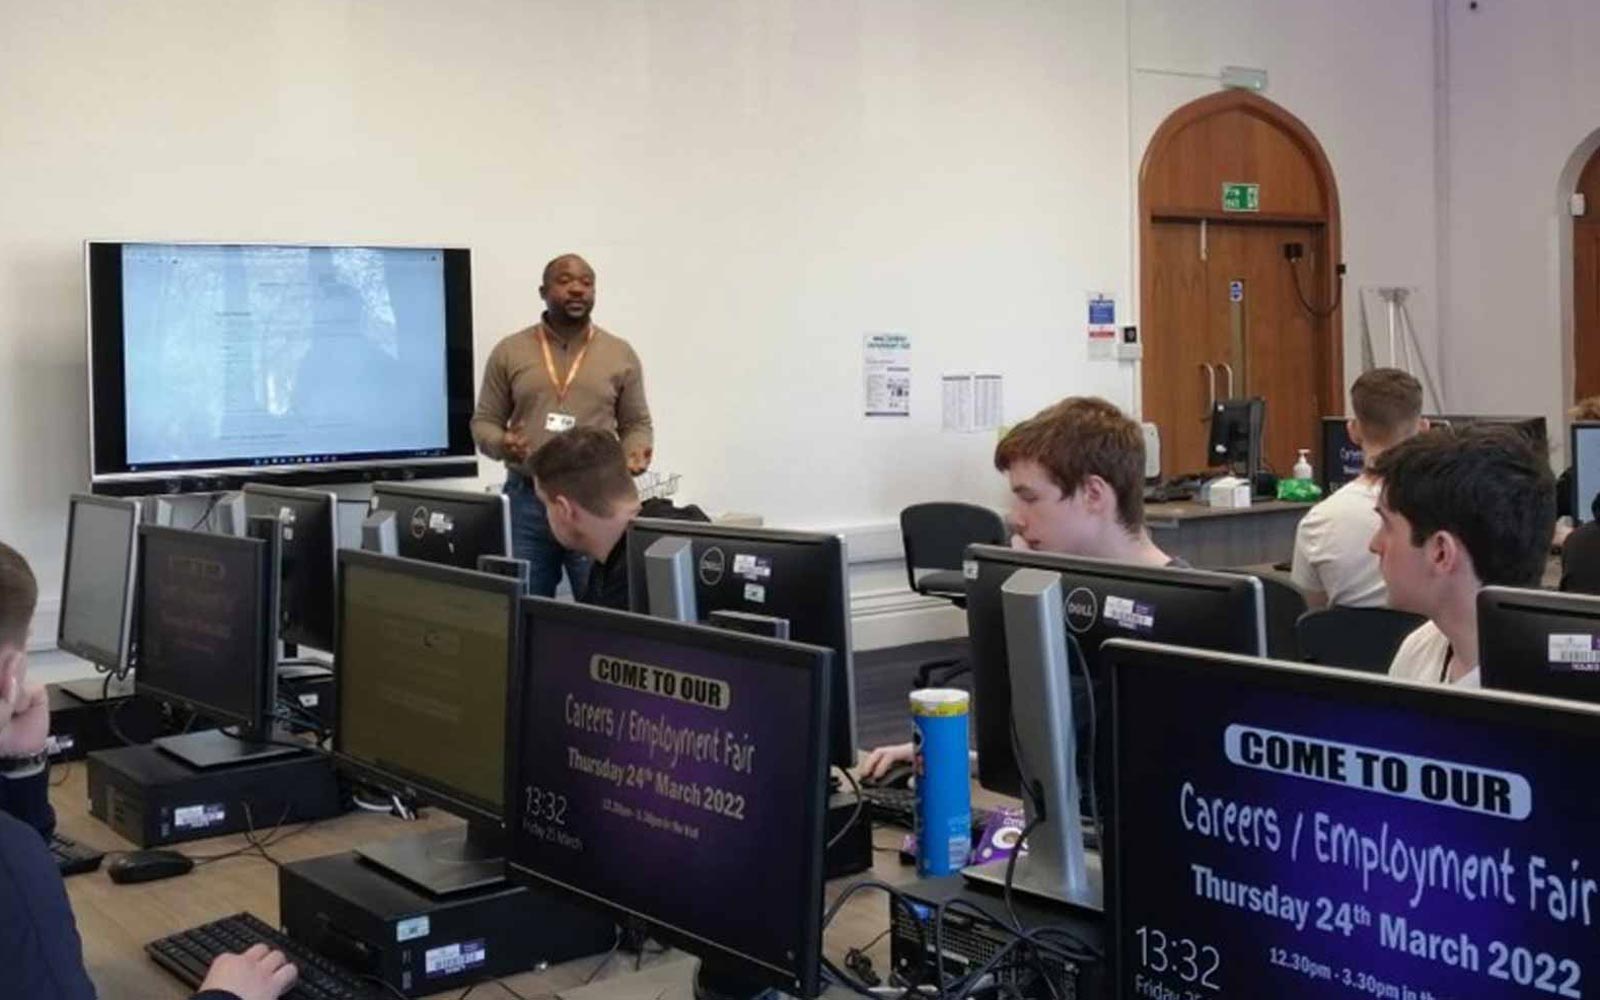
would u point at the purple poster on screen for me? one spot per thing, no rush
(1274, 844)
(667, 783)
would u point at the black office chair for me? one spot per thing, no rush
(1356, 638)
(935, 537)
(1285, 605)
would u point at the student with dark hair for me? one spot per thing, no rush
(1332, 564)
(582, 479)
(1460, 510)
(40, 951)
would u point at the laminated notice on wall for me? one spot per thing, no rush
(886, 365)
(972, 401)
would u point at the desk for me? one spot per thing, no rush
(117, 921)
(1225, 536)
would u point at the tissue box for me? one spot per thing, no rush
(1229, 491)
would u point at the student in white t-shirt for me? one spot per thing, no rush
(1332, 563)
(1460, 510)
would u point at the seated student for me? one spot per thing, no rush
(40, 950)
(1332, 564)
(582, 478)
(1460, 510)
(1076, 472)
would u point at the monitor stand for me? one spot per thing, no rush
(1043, 877)
(95, 689)
(214, 748)
(712, 982)
(443, 861)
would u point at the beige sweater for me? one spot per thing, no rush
(608, 391)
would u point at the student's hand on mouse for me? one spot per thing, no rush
(879, 760)
(24, 708)
(258, 974)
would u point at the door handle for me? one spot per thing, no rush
(1211, 383)
(1229, 369)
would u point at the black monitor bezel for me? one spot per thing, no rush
(644, 530)
(328, 502)
(805, 979)
(1501, 673)
(264, 554)
(436, 495)
(421, 787)
(120, 659)
(1489, 707)
(995, 771)
(106, 356)
(1582, 513)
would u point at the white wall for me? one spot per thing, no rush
(757, 183)
(1524, 100)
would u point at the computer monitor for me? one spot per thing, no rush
(792, 575)
(448, 527)
(1584, 455)
(1540, 642)
(675, 773)
(1284, 830)
(1235, 440)
(1533, 428)
(1342, 458)
(97, 589)
(207, 607)
(308, 530)
(1035, 624)
(424, 656)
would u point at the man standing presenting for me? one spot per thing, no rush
(561, 373)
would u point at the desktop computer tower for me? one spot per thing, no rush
(969, 941)
(154, 799)
(421, 944)
(79, 727)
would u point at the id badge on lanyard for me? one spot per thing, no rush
(558, 422)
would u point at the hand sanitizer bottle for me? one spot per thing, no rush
(1302, 466)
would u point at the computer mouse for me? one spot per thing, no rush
(898, 776)
(148, 866)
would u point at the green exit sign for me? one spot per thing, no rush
(1241, 197)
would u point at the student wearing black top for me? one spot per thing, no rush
(582, 478)
(40, 951)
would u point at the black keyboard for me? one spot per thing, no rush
(188, 955)
(898, 807)
(72, 858)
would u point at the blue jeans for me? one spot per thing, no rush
(531, 540)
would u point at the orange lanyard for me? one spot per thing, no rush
(562, 385)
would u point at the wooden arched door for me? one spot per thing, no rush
(1227, 183)
(1586, 285)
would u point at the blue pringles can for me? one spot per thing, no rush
(944, 790)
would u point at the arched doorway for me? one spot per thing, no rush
(1228, 182)
(1586, 283)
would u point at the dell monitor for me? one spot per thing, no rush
(1235, 440)
(97, 589)
(308, 530)
(1290, 831)
(696, 569)
(675, 773)
(1584, 454)
(1540, 642)
(448, 527)
(424, 655)
(1035, 624)
(1342, 459)
(208, 605)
